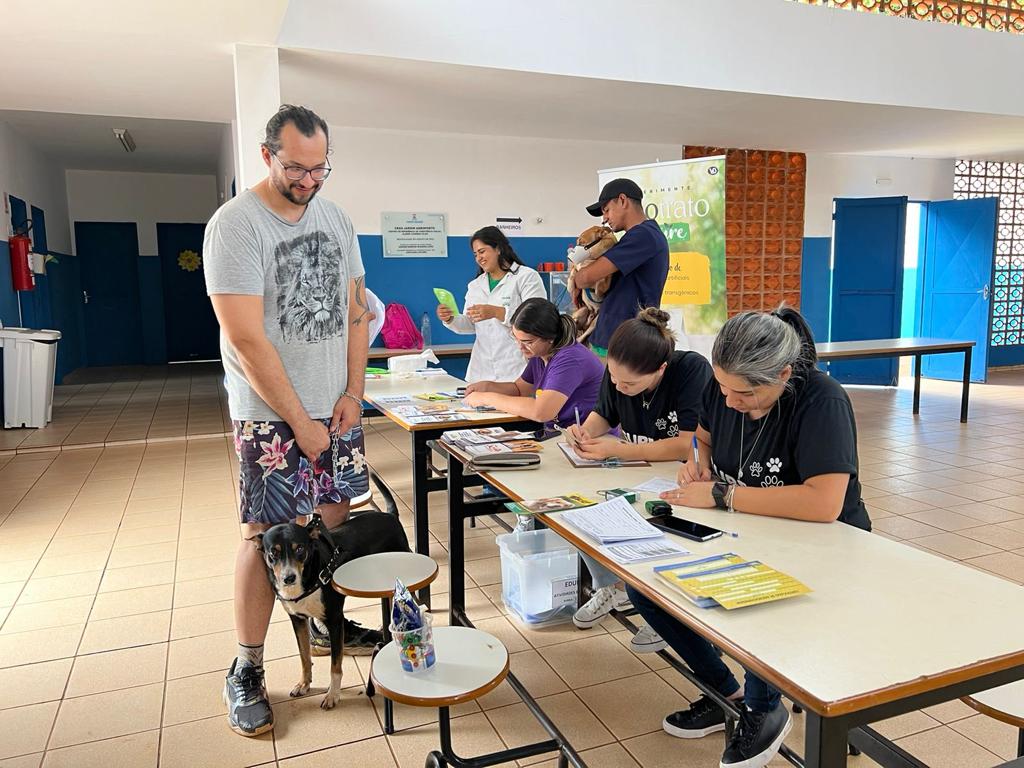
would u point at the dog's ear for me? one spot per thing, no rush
(257, 541)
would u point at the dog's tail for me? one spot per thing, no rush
(389, 500)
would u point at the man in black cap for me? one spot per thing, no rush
(638, 263)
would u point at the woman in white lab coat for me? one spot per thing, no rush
(502, 284)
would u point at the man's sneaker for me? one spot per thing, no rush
(703, 717)
(600, 604)
(524, 523)
(757, 738)
(646, 640)
(359, 641)
(245, 694)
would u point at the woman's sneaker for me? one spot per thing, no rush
(702, 718)
(359, 641)
(249, 712)
(757, 738)
(600, 604)
(646, 640)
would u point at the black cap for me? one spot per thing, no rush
(613, 189)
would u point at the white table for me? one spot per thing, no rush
(888, 628)
(1005, 703)
(421, 434)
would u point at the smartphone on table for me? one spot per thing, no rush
(663, 520)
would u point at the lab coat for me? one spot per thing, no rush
(496, 357)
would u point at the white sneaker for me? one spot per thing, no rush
(646, 640)
(600, 604)
(524, 523)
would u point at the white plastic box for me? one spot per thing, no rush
(29, 364)
(539, 576)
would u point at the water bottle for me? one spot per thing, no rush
(425, 330)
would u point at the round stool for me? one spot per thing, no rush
(469, 664)
(1005, 703)
(374, 576)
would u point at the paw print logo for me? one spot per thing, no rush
(673, 430)
(771, 482)
(774, 464)
(661, 424)
(756, 469)
(673, 417)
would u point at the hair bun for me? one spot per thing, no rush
(655, 316)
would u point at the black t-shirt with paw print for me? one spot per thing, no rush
(672, 408)
(810, 431)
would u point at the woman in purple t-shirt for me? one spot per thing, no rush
(561, 375)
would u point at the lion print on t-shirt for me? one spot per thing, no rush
(310, 300)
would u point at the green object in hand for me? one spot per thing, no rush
(445, 298)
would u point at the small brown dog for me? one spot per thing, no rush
(591, 245)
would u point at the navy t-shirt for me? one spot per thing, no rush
(641, 258)
(810, 431)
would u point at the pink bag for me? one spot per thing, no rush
(399, 331)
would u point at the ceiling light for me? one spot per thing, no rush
(125, 138)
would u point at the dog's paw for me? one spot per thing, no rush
(300, 689)
(332, 698)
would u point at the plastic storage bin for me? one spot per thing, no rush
(539, 576)
(29, 367)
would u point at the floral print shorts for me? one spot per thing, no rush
(277, 483)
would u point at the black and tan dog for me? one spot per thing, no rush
(300, 561)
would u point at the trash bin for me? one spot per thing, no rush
(539, 574)
(30, 366)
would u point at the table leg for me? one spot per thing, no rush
(825, 743)
(1020, 742)
(967, 385)
(389, 707)
(420, 503)
(917, 384)
(456, 541)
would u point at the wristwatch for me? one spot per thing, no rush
(718, 491)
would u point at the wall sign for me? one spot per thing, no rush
(414, 235)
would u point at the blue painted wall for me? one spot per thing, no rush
(816, 285)
(411, 281)
(8, 298)
(1008, 355)
(65, 285)
(151, 307)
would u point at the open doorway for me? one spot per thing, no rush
(913, 243)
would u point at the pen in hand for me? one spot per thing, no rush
(696, 455)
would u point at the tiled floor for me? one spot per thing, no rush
(115, 597)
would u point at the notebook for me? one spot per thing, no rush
(579, 462)
(730, 581)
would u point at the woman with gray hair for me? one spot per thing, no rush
(777, 437)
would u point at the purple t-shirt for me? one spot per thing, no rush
(574, 371)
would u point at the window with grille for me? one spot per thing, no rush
(995, 15)
(980, 178)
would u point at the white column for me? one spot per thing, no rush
(257, 98)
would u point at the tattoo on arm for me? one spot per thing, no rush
(362, 305)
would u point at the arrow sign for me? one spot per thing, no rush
(501, 220)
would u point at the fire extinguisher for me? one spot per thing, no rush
(21, 263)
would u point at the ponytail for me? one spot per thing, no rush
(540, 318)
(643, 343)
(757, 346)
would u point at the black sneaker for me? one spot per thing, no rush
(703, 717)
(359, 641)
(756, 738)
(249, 712)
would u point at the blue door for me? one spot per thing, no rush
(958, 261)
(109, 259)
(191, 327)
(867, 282)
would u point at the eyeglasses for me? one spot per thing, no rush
(527, 344)
(298, 173)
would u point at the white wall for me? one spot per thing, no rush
(145, 198)
(831, 176)
(475, 178)
(227, 164)
(30, 175)
(770, 46)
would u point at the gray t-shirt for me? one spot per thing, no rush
(302, 270)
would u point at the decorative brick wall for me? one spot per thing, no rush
(764, 225)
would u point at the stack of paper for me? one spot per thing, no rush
(730, 581)
(641, 551)
(611, 521)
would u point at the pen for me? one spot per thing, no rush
(696, 455)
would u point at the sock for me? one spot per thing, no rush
(253, 654)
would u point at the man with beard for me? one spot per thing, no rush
(286, 280)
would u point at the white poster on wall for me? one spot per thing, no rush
(414, 235)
